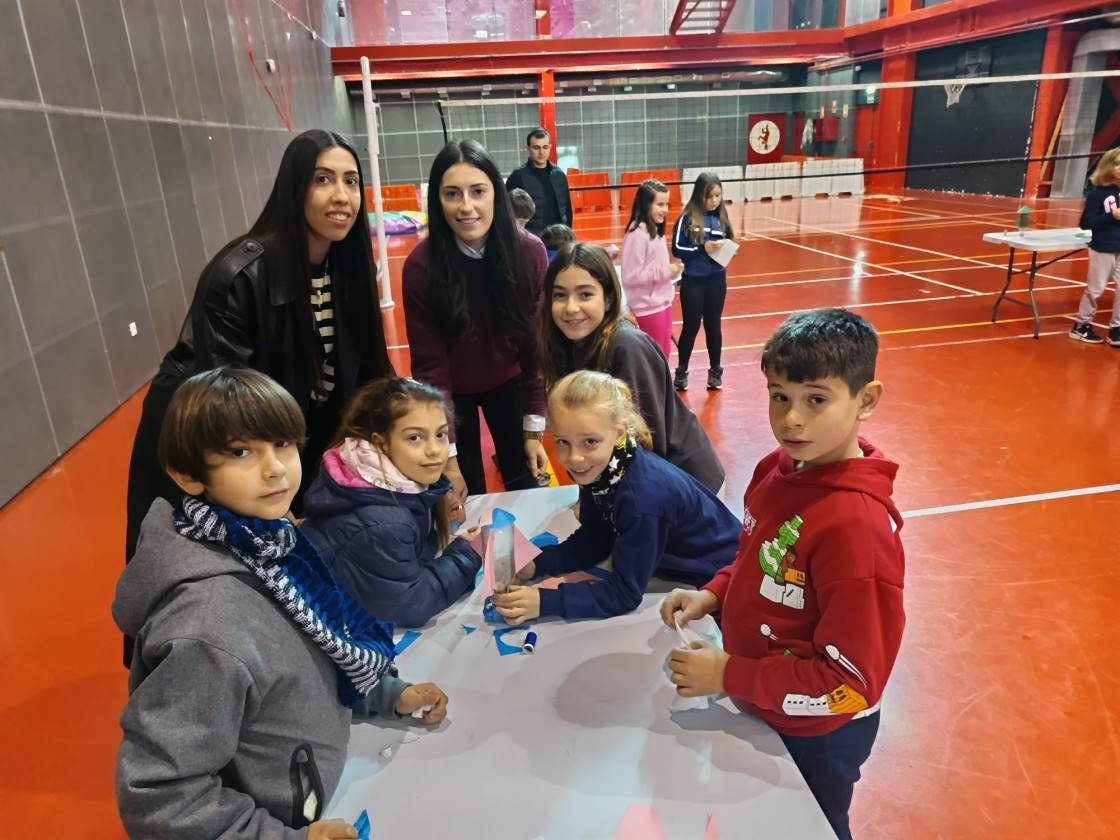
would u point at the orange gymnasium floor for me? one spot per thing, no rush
(1001, 718)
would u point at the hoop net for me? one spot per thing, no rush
(953, 93)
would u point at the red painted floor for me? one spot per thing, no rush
(1001, 718)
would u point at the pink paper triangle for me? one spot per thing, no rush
(640, 823)
(523, 552)
(711, 832)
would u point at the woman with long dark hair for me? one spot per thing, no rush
(472, 294)
(293, 298)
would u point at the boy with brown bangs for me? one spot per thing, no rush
(811, 609)
(249, 658)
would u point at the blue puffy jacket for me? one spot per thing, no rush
(382, 547)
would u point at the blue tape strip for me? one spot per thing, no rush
(544, 538)
(504, 647)
(362, 824)
(407, 639)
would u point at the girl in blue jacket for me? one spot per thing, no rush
(702, 224)
(645, 514)
(1102, 216)
(376, 511)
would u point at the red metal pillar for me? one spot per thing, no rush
(1056, 58)
(547, 89)
(892, 139)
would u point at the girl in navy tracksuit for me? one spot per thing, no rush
(377, 513)
(645, 514)
(704, 281)
(1102, 216)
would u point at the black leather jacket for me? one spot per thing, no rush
(239, 318)
(524, 179)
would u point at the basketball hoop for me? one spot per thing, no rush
(953, 93)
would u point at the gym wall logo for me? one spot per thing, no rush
(766, 140)
(782, 581)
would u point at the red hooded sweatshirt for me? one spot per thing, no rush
(811, 609)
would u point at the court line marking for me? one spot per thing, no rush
(1012, 500)
(894, 271)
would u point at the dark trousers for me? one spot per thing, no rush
(702, 299)
(501, 407)
(830, 764)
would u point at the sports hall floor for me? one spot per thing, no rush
(1001, 717)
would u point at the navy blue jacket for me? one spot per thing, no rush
(697, 263)
(1097, 217)
(382, 548)
(663, 521)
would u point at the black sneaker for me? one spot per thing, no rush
(680, 380)
(715, 378)
(1086, 333)
(1114, 337)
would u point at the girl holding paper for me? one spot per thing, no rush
(584, 329)
(645, 514)
(703, 225)
(376, 510)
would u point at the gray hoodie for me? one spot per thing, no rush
(233, 717)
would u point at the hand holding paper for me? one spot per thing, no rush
(723, 252)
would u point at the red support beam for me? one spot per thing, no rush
(892, 142)
(548, 109)
(1056, 58)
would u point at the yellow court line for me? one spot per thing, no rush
(930, 329)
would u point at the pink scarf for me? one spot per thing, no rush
(369, 466)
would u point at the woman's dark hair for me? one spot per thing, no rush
(377, 406)
(503, 258)
(696, 209)
(214, 408)
(643, 203)
(558, 354)
(282, 229)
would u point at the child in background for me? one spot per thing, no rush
(584, 329)
(1102, 216)
(523, 207)
(811, 611)
(247, 650)
(645, 514)
(702, 224)
(376, 512)
(555, 236)
(647, 275)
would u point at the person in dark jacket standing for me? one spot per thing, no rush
(1102, 216)
(376, 514)
(545, 182)
(293, 298)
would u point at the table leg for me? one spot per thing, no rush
(1030, 291)
(1006, 284)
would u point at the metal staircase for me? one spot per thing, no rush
(700, 17)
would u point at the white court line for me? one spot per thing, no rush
(1012, 500)
(894, 271)
(933, 344)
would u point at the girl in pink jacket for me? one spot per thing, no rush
(647, 275)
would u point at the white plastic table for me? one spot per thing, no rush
(1069, 240)
(560, 744)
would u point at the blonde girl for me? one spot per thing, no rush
(1102, 216)
(377, 510)
(645, 514)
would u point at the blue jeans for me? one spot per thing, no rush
(830, 764)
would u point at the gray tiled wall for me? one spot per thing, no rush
(135, 140)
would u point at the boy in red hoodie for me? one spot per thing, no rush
(811, 609)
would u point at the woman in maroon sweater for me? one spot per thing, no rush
(472, 294)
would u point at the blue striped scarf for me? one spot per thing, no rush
(292, 570)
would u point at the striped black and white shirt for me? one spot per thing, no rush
(322, 308)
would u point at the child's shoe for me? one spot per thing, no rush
(1114, 337)
(715, 379)
(680, 380)
(1086, 333)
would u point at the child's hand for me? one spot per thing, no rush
(457, 495)
(331, 830)
(675, 269)
(684, 605)
(1116, 213)
(423, 694)
(711, 245)
(699, 671)
(518, 604)
(528, 571)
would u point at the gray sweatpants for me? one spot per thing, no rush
(1102, 268)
